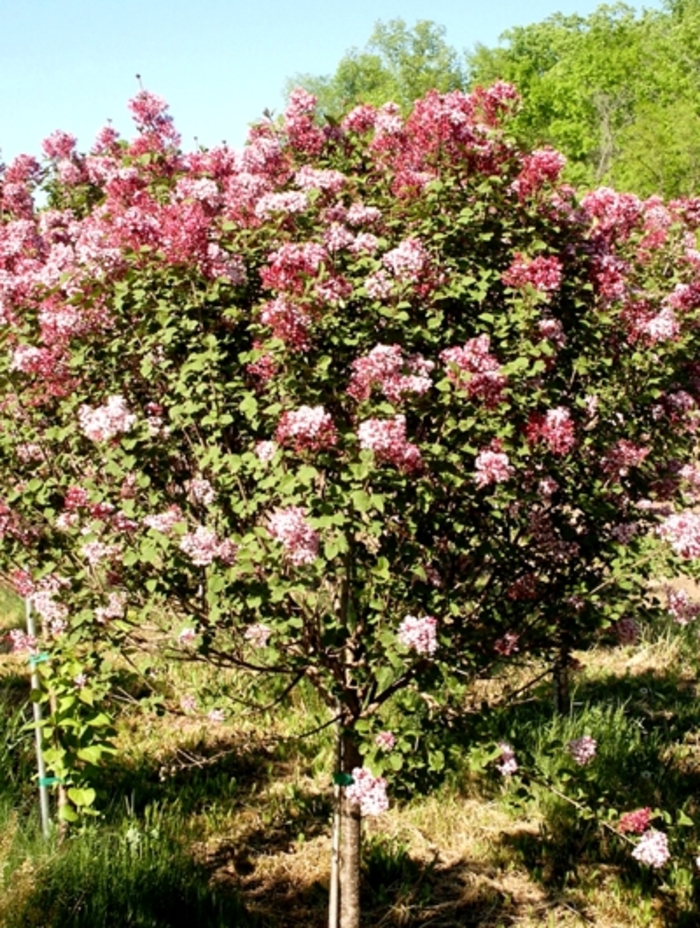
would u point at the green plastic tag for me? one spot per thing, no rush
(49, 781)
(38, 658)
(342, 779)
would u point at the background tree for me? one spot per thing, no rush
(398, 64)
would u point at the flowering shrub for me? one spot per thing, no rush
(380, 402)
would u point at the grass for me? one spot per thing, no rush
(213, 824)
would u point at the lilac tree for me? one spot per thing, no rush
(378, 404)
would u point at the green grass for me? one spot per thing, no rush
(228, 824)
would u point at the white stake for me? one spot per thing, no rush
(43, 789)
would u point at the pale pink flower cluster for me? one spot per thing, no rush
(203, 546)
(583, 749)
(43, 600)
(290, 201)
(116, 604)
(203, 189)
(662, 327)
(360, 215)
(308, 428)
(419, 634)
(681, 606)
(164, 522)
(682, 531)
(290, 528)
(386, 740)
(336, 237)
(186, 636)
(368, 792)
(108, 421)
(216, 715)
(308, 178)
(265, 450)
(544, 274)
(652, 849)
(554, 428)
(201, 491)
(379, 285)
(386, 439)
(258, 634)
(492, 467)
(474, 369)
(188, 703)
(385, 368)
(408, 261)
(507, 765)
(96, 551)
(553, 331)
(22, 643)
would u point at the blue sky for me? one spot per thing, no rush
(219, 63)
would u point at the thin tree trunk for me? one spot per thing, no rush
(561, 681)
(350, 841)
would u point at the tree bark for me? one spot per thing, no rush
(561, 681)
(350, 839)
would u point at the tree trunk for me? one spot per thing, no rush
(350, 839)
(560, 681)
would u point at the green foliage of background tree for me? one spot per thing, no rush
(617, 92)
(398, 64)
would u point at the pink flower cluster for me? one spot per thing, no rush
(682, 531)
(636, 822)
(386, 439)
(200, 491)
(542, 166)
(386, 367)
(108, 421)
(622, 456)
(164, 522)
(652, 849)
(492, 466)
(419, 634)
(258, 634)
(292, 264)
(203, 546)
(116, 604)
(554, 428)
(472, 368)
(544, 274)
(290, 528)
(386, 740)
(308, 428)
(583, 750)
(368, 792)
(681, 607)
(507, 645)
(507, 765)
(22, 643)
(408, 262)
